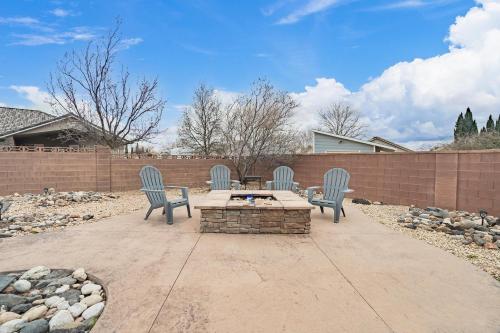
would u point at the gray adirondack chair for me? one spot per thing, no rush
(335, 186)
(221, 178)
(152, 186)
(282, 180)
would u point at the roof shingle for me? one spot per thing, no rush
(13, 119)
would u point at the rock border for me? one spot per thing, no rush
(89, 277)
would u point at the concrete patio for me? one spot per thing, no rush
(356, 276)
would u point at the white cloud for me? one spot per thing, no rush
(59, 12)
(311, 7)
(129, 42)
(411, 4)
(420, 100)
(24, 20)
(37, 98)
(404, 4)
(314, 98)
(225, 96)
(36, 39)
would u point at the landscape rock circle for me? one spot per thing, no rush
(40, 300)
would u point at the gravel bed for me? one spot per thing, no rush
(27, 215)
(487, 260)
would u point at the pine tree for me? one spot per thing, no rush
(474, 130)
(490, 124)
(459, 127)
(137, 148)
(497, 126)
(483, 130)
(470, 125)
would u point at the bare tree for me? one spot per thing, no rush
(200, 126)
(259, 125)
(108, 108)
(343, 120)
(305, 142)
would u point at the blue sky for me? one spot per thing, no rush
(227, 44)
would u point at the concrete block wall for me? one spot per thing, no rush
(32, 171)
(454, 180)
(180, 172)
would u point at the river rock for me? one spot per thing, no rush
(52, 302)
(36, 273)
(93, 311)
(21, 308)
(22, 286)
(5, 281)
(36, 326)
(478, 240)
(77, 309)
(60, 319)
(11, 300)
(12, 326)
(62, 289)
(90, 288)
(64, 305)
(361, 201)
(79, 274)
(62, 281)
(71, 295)
(34, 313)
(91, 300)
(56, 274)
(8, 316)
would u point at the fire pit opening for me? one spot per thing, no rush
(252, 197)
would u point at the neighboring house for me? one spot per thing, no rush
(324, 142)
(385, 142)
(23, 127)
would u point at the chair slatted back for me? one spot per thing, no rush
(151, 179)
(335, 182)
(283, 178)
(221, 177)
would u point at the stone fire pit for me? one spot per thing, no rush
(273, 212)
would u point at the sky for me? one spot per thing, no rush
(409, 66)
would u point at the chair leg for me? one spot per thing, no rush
(343, 211)
(336, 215)
(321, 209)
(170, 215)
(163, 213)
(149, 212)
(189, 210)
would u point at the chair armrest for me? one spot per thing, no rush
(173, 186)
(295, 187)
(184, 190)
(149, 190)
(269, 185)
(310, 192)
(348, 190)
(209, 182)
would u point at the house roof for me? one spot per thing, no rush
(13, 119)
(369, 143)
(390, 143)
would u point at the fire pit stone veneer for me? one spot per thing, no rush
(274, 212)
